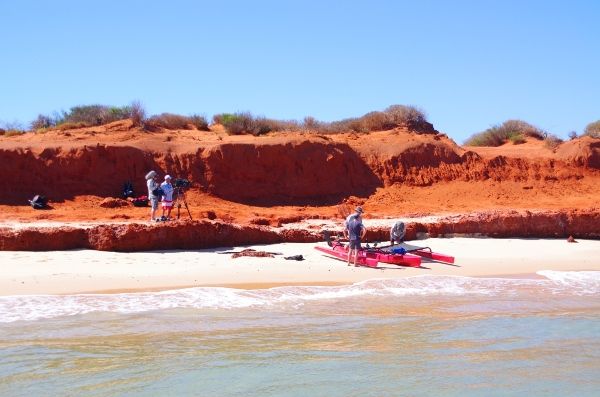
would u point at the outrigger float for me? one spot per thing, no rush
(398, 254)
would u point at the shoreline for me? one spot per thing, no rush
(263, 286)
(101, 272)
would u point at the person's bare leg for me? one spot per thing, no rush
(349, 255)
(355, 256)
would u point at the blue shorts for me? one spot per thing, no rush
(355, 244)
(154, 203)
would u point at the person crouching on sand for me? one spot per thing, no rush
(167, 200)
(397, 233)
(354, 232)
(152, 186)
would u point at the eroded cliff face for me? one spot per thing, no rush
(212, 234)
(65, 173)
(296, 172)
(277, 170)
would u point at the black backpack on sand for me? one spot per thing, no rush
(39, 202)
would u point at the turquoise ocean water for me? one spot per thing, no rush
(417, 336)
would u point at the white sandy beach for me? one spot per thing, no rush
(86, 271)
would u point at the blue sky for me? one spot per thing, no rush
(467, 64)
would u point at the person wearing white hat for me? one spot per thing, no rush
(167, 199)
(152, 186)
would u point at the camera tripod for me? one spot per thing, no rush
(179, 200)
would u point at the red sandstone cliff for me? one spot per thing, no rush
(268, 179)
(290, 169)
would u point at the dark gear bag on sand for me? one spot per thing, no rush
(141, 201)
(38, 202)
(294, 258)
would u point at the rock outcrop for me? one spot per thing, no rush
(212, 234)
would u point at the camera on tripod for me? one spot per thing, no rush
(182, 183)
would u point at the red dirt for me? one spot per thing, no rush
(287, 177)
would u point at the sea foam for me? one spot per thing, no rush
(34, 307)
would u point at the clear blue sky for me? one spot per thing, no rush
(467, 64)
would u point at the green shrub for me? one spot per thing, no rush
(378, 121)
(199, 122)
(137, 113)
(169, 121)
(392, 117)
(90, 115)
(311, 124)
(246, 123)
(521, 127)
(172, 121)
(283, 125)
(224, 118)
(509, 130)
(517, 139)
(489, 137)
(409, 116)
(242, 123)
(42, 122)
(593, 129)
(345, 125)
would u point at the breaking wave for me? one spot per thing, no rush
(34, 307)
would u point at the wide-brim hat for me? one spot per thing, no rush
(359, 210)
(151, 174)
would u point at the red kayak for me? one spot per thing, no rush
(371, 257)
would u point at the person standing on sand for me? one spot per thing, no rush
(152, 185)
(397, 233)
(354, 232)
(167, 200)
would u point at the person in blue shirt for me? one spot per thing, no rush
(354, 232)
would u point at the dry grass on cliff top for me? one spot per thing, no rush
(235, 123)
(392, 117)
